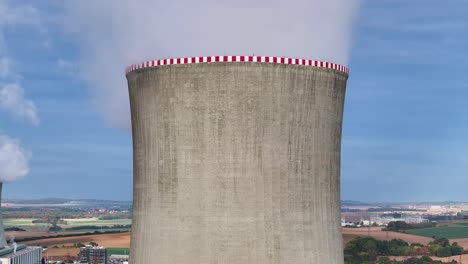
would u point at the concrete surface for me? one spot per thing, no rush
(3, 242)
(236, 163)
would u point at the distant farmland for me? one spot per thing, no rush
(28, 225)
(450, 231)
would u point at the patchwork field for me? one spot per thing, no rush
(121, 241)
(27, 224)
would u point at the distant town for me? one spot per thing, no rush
(362, 214)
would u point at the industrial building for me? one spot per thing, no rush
(236, 160)
(21, 255)
(410, 219)
(117, 259)
(16, 254)
(93, 255)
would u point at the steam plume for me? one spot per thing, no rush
(12, 97)
(12, 100)
(116, 33)
(13, 159)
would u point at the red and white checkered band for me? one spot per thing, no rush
(215, 59)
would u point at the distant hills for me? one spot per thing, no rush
(389, 204)
(62, 201)
(56, 201)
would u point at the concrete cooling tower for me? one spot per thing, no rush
(236, 160)
(3, 242)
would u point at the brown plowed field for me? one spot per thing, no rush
(119, 240)
(461, 259)
(377, 233)
(62, 253)
(462, 242)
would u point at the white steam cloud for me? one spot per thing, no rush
(12, 100)
(11, 93)
(13, 159)
(116, 33)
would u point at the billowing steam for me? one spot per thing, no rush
(13, 159)
(12, 100)
(115, 33)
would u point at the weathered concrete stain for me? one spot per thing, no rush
(236, 163)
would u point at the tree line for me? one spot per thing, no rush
(369, 250)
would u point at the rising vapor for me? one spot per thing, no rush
(12, 100)
(115, 33)
(13, 159)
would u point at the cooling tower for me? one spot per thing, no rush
(2, 229)
(236, 160)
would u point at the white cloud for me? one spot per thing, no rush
(13, 159)
(116, 33)
(12, 100)
(11, 93)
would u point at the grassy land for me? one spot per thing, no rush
(26, 223)
(117, 251)
(462, 224)
(97, 229)
(19, 222)
(71, 223)
(450, 231)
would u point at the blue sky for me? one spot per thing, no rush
(405, 134)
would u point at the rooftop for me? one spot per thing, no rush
(8, 252)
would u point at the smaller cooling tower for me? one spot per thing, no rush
(2, 229)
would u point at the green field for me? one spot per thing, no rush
(27, 224)
(117, 251)
(17, 222)
(449, 231)
(97, 229)
(71, 223)
(24, 223)
(461, 224)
